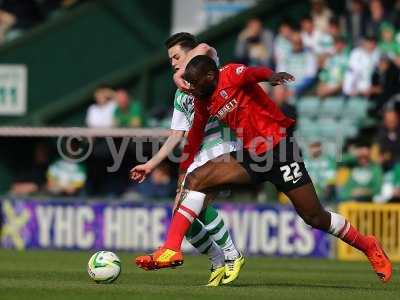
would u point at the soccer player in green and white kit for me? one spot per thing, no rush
(208, 234)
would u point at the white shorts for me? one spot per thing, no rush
(204, 156)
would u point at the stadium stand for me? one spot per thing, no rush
(141, 66)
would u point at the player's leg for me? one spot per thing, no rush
(216, 228)
(215, 173)
(200, 239)
(218, 172)
(219, 233)
(306, 203)
(290, 176)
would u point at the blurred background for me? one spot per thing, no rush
(66, 66)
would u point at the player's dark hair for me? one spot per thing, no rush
(184, 39)
(200, 65)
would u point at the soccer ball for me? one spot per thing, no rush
(104, 267)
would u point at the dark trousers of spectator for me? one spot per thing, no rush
(100, 180)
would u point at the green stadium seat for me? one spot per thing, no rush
(331, 147)
(349, 128)
(329, 128)
(308, 107)
(332, 107)
(356, 109)
(306, 128)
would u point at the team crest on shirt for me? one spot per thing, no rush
(224, 94)
(239, 70)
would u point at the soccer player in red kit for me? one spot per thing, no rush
(270, 153)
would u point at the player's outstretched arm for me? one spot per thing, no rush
(241, 75)
(140, 172)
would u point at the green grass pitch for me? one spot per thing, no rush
(62, 275)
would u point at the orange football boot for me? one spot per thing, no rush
(160, 259)
(379, 260)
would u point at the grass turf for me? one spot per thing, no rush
(62, 275)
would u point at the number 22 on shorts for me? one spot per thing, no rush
(291, 172)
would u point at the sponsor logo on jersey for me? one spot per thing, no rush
(231, 105)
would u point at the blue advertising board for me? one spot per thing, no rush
(258, 229)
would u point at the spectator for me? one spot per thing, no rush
(66, 177)
(281, 96)
(354, 22)
(33, 179)
(26, 13)
(385, 83)
(396, 183)
(282, 45)
(377, 18)
(128, 112)
(254, 45)
(364, 177)
(302, 63)
(388, 139)
(387, 44)
(395, 14)
(332, 74)
(363, 60)
(322, 170)
(160, 185)
(7, 21)
(101, 113)
(334, 28)
(320, 14)
(317, 41)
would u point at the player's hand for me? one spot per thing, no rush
(181, 83)
(140, 172)
(280, 78)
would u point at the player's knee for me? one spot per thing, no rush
(193, 182)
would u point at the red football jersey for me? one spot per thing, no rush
(241, 103)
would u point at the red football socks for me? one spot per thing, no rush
(177, 230)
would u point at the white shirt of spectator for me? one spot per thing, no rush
(358, 77)
(302, 65)
(101, 116)
(318, 42)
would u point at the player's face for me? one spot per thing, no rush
(177, 56)
(202, 87)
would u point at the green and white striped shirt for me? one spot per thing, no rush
(215, 132)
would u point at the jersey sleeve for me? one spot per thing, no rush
(239, 75)
(179, 121)
(195, 136)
